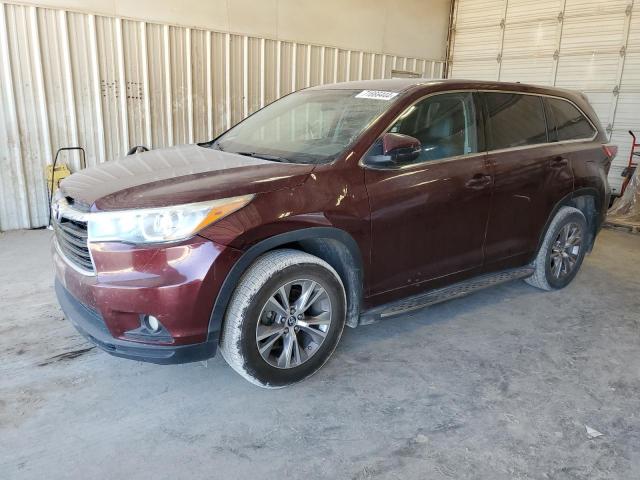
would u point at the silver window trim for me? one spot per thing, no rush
(363, 164)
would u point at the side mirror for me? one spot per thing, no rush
(395, 148)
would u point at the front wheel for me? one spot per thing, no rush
(284, 319)
(562, 250)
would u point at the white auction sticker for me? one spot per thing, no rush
(376, 94)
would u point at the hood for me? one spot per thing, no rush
(182, 174)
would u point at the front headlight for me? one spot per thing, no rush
(164, 224)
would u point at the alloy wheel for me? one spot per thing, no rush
(293, 323)
(565, 250)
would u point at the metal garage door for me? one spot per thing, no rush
(589, 45)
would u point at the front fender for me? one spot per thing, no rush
(331, 244)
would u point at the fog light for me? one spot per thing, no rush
(152, 323)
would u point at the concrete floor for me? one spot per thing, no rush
(498, 385)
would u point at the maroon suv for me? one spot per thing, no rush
(335, 205)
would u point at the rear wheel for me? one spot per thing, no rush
(284, 319)
(562, 250)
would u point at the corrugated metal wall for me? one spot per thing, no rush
(588, 45)
(108, 83)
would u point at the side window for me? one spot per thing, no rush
(515, 120)
(570, 123)
(444, 124)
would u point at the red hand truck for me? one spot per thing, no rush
(630, 169)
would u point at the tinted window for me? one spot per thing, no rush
(570, 123)
(516, 120)
(445, 125)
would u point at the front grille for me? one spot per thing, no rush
(72, 239)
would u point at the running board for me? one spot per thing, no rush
(439, 295)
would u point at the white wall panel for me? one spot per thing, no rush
(536, 70)
(478, 43)
(588, 45)
(479, 12)
(107, 83)
(475, 69)
(594, 71)
(31, 127)
(528, 12)
(523, 40)
(593, 33)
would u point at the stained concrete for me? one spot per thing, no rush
(498, 385)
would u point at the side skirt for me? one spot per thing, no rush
(439, 295)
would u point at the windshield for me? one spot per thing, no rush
(311, 126)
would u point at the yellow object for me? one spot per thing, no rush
(61, 172)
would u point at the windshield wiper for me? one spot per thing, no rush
(264, 156)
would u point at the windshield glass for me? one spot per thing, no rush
(311, 126)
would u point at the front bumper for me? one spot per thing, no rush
(91, 325)
(178, 284)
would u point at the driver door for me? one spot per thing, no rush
(429, 215)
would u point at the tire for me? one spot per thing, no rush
(256, 316)
(557, 261)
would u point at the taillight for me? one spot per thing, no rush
(610, 151)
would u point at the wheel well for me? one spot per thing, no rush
(587, 205)
(336, 254)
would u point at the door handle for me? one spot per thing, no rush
(559, 162)
(478, 181)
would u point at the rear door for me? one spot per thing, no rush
(428, 217)
(530, 174)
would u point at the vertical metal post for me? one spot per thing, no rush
(245, 76)
(372, 67)
(68, 79)
(39, 80)
(122, 87)
(227, 79)
(278, 68)
(145, 85)
(209, 87)
(620, 70)
(39, 195)
(15, 146)
(322, 58)
(503, 27)
(308, 66)
(294, 67)
(167, 85)
(556, 54)
(263, 54)
(451, 37)
(189, 86)
(97, 93)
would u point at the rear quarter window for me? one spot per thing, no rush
(515, 120)
(570, 123)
